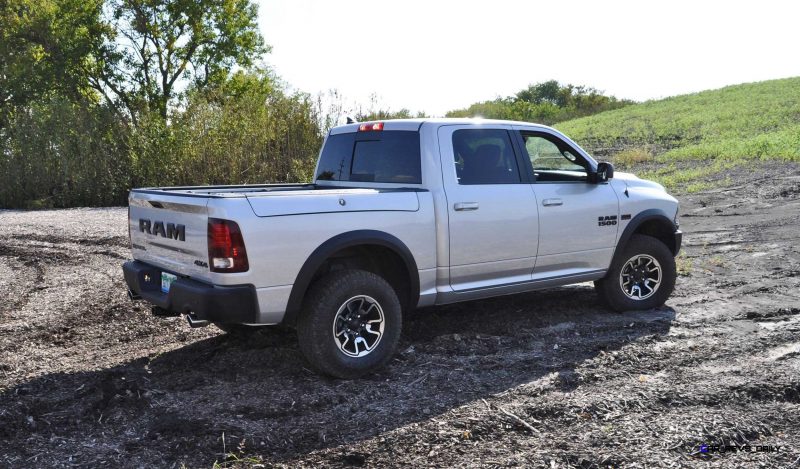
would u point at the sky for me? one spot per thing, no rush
(438, 55)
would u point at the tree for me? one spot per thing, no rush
(163, 46)
(46, 49)
(544, 92)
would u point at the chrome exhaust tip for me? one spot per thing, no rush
(195, 323)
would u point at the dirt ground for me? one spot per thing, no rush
(546, 379)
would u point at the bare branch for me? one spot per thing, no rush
(186, 59)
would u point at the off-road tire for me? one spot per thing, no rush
(610, 287)
(315, 325)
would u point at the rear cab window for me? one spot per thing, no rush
(389, 156)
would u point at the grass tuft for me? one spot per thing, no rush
(683, 265)
(632, 156)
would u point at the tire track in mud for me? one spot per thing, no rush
(719, 365)
(38, 252)
(664, 399)
(110, 241)
(31, 261)
(57, 309)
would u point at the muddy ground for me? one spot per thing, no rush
(546, 379)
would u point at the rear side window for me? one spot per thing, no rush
(484, 156)
(386, 156)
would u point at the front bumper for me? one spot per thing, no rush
(678, 236)
(236, 304)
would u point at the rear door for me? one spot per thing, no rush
(578, 218)
(170, 231)
(492, 212)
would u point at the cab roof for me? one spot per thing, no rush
(415, 124)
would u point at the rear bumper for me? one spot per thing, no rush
(236, 304)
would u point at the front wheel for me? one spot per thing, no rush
(641, 277)
(350, 324)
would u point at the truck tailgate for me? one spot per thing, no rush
(170, 232)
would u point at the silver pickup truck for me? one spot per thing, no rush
(402, 214)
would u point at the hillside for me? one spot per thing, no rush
(665, 138)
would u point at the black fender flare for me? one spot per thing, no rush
(652, 214)
(343, 241)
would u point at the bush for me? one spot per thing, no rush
(248, 131)
(547, 103)
(57, 153)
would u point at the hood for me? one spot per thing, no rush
(631, 180)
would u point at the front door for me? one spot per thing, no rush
(492, 211)
(578, 218)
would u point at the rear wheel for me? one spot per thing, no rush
(641, 277)
(350, 323)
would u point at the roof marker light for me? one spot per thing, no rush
(377, 126)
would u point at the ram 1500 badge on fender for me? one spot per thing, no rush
(402, 214)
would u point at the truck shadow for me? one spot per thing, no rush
(174, 408)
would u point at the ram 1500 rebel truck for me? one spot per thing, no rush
(402, 214)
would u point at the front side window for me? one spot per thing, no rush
(389, 156)
(552, 159)
(484, 156)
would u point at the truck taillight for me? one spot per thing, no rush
(376, 126)
(226, 252)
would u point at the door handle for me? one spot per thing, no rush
(465, 206)
(552, 202)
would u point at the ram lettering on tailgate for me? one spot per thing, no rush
(173, 231)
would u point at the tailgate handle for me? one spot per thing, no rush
(552, 202)
(465, 206)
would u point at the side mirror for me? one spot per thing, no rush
(605, 171)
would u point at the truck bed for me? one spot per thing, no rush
(226, 191)
(291, 199)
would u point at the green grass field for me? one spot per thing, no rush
(720, 128)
